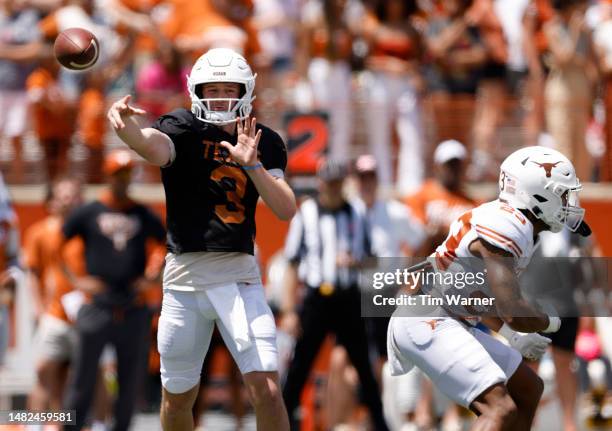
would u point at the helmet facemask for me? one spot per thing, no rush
(569, 213)
(206, 109)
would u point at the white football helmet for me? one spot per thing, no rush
(221, 65)
(543, 181)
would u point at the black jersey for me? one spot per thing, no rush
(210, 200)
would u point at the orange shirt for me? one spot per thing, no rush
(196, 18)
(41, 252)
(49, 121)
(544, 12)
(49, 27)
(434, 205)
(91, 119)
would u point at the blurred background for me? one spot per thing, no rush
(338, 79)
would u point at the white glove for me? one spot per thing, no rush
(531, 346)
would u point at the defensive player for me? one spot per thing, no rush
(538, 192)
(215, 163)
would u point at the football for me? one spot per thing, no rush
(76, 49)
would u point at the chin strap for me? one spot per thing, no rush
(583, 229)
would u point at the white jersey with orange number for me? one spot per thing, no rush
(494, 222)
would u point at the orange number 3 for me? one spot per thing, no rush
(233, 181)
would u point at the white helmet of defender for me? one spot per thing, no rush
(221, 65)
(543, 181)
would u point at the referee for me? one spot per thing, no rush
(326, 241)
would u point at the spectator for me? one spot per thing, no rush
(195, 27)
(276, 22)
(454, 56)
(568, 89)
(91, 118)
(91, 126)
(326, 241)
(602, 38)
(55, 339)
(442, 198)
(323, 60)
(491, 95)
(115, 230)
(393, 93)
(535, 46)
(160, 85)
(53, 115)
(19, 48)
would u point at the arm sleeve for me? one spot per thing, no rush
(273, 153)
(177, 125)
(74, 224)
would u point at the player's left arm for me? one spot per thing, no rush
(274, 191)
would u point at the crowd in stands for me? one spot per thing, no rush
(393, 77)
(417, 97)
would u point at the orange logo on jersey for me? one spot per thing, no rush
(547, 167)
(432, 323)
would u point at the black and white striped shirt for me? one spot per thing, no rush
(317, 236)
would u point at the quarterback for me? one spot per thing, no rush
(215, 163)
(538, 192)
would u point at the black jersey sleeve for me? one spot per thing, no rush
(74, 225)
(179, 126)
(272, 149)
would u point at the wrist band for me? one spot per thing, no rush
(251, 168)
(554, 323)
(506, 331)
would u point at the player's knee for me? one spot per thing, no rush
(176, 404)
